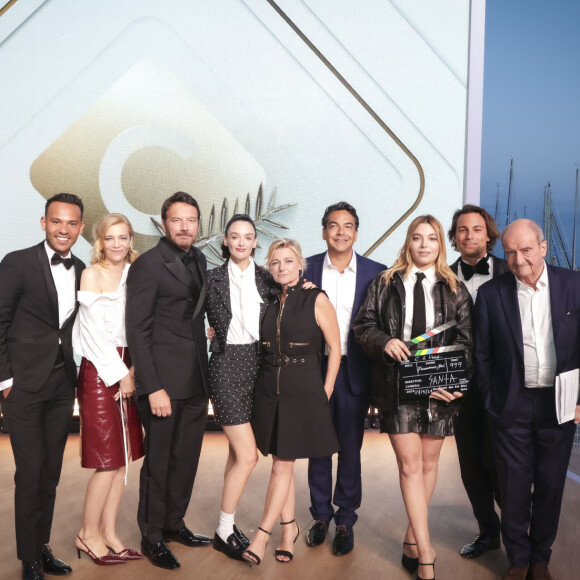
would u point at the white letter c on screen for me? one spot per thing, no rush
(115, 157)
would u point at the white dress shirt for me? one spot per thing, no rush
(476, 280)
(409, 284)
(245, 304)
(100, 328)
(536, 317)
(340, 289)
(65, 282)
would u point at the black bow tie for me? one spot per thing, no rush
(58, 259)
(482, 267)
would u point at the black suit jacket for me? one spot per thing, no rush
(218, 305)
(472, 403)
(499, 349)
(29, 325)
(164, 322)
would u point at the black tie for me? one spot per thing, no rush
(188, 257)
(58, 259)
(482, 267)
(419, 320)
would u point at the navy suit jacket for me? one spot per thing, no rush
(358, 363)
(499, 353)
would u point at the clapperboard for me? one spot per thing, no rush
(430, 369)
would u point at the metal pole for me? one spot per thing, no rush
(575, 223)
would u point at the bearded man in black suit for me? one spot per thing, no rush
(166, 289)
(38, 374)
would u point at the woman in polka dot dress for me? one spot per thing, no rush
(236, 302)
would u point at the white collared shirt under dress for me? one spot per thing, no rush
(100, 328)
(537, 333)
(409, 284)
(340, 289)
(477, 279)
(245, 304)
(66, 286)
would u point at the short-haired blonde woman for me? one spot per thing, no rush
(418, 290)
(111, 433)
(291, 417)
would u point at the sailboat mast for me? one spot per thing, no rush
(575, 223)
(508, 217)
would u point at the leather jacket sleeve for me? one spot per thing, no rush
(368, 329)
(464, 329)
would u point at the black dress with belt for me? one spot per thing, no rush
(291, 417)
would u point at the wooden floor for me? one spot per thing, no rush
(378, 533)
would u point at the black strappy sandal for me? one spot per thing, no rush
(252, 558)
(430, 564)
(410, 564)
(286, 553)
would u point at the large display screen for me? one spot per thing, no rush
(277, 109)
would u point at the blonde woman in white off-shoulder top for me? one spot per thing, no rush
(111, 433)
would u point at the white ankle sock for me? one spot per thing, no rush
(226, 526)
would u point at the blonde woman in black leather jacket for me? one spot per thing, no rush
(416, 428)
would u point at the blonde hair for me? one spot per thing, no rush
(286, 243)
(100, 231)
(404, 262)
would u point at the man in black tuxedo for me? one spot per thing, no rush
(527, 331)
(38, 374)
(473, 234)
(166, 289)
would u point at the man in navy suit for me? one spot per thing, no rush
(345, 276)
(473, 234)
(527, 333)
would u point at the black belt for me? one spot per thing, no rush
(283, 360)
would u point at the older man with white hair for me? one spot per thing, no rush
(527, 336)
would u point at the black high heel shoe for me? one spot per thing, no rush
(410, 564)
(286, 553)
(252, 558)
(430, 564)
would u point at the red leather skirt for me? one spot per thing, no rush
(102, 424)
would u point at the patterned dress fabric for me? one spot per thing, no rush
(232, 375)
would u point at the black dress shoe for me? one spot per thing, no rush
(159, 555)
(241, 536)
(186, 537)
(316, 533)
(32, 570)
(233, 548)
(52, 565)
(343, 542)
(483, 543)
